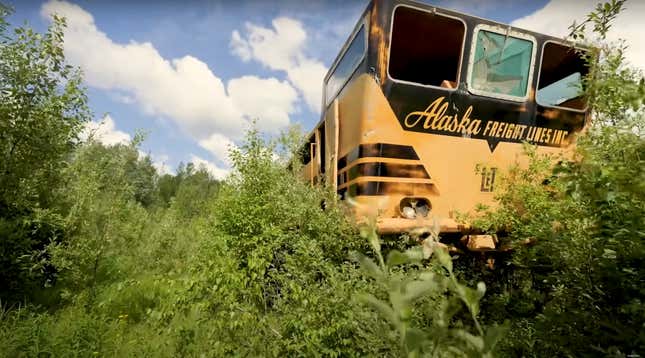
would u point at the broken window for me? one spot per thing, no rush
(306, 150)
(561, 74)
(426, 47)
(346, 66)
(501, 64)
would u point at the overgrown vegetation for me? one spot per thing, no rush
(428, 329)
(102, 256)
(578, 287)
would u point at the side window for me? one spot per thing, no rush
(561, 74)
(501, 64)
(426, 48)
(346, 66)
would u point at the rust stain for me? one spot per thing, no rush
(378, 36)
(375, 180)
(551, 113)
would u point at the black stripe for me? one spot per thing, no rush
(383, 188)
(378, 150)
(386, 170)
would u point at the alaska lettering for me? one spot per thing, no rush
(435, 119)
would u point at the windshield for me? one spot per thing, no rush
(501, 64)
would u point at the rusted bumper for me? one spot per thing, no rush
(400, 225)
(471, 242)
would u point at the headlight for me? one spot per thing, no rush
(408, 212)
(412, 208)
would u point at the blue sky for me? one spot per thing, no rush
(193, 73)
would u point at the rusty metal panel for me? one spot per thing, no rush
(386, 140)
(331, 146)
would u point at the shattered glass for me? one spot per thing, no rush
(502, 64)
(560, 92)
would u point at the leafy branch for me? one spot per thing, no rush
(406, 288)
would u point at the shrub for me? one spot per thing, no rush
(577, 288)
(276, 263)
(43, 108)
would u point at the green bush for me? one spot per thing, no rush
(42, 110)
(577, 288)
(100, 256)
(275, 266)
(573, 284)
(424, 300)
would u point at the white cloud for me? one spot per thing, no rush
(184, 89)
(282, 48)
(309, 77)
(556, 16)
(105, 132)
(267, 100)
(212, 169)
(219, 146)
(240, 47)
(125, 99)
(277, 48)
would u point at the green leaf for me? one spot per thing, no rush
(481, 289)
(419, 288)
(369, 232)
(369, 267)
(470, 297)
(494, 334)
(395, 258)
(444, 258)
(448, 310)
(413, 255)
(414, 339)
(427, 275)
(381, 307)
(609, 254)
(475, 341)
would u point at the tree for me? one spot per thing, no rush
(104, 214)
(195, 189)
(43, 107)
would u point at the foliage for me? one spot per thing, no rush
(276, 263)
(101, 256)
(612, 87)
(43, 107)
(573, 283)
(103, 217)
(161, 282)
(406, 286)
(194, 189)
(260, 269)
(577, 287)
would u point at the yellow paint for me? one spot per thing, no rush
(456, 165)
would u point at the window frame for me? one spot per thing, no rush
(348, 44)
(461, 55)
(504, 31)
(584, 110)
